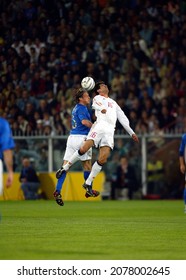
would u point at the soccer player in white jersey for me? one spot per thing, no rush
(81, 124)
(182, 160)
(101, 135)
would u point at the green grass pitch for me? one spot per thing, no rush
(115, 230)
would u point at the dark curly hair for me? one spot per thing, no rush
(97, 86)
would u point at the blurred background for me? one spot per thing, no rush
(137, 47)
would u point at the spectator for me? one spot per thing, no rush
(166, 120)
(156, 57)
(25, 99)
(33, 55)
(29, 112)
(22, 122)
(29, 180)
(51, 101)
(37, 85)
(47, 119)
(43, 107)
(126, 182)
(25, 82)
(39, 127)
(29, 130)
(16, 130)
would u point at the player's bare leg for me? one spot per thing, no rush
(104, 153)
(87, 165)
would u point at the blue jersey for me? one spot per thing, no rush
(6, 139)
(79, 113)
(182, 149)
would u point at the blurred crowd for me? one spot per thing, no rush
(137, 47)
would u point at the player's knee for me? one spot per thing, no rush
(81, 151)
(102, 161)
(87, 166)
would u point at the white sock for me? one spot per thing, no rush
(74, 158)
(96, 168)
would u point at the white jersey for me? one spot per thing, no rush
(114, 113)
(102, 131)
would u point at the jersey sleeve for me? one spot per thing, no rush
(82, 114)
(7, 141)
(124, 121)
(182, 145)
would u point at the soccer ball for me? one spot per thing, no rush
(88, 83)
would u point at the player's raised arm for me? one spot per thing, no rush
(122, 118)
(87, 123)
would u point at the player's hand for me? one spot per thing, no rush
(104, 111)
(9, 180)
(182, 168)
(135, 138)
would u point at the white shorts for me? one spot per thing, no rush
(102, 134)
(74, 142)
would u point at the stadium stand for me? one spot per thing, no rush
(137, 47)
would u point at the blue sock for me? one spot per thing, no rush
(184, 195)
(86, 174)
(60, 182)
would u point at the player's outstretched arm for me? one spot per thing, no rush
(182, 164)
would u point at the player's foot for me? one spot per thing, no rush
(185, 210)
(88, 189)
(58, 198)
(95, 194)
(59, 172)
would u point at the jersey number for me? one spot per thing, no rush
(93, 134)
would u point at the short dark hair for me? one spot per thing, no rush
(78, 94)
(97, 85)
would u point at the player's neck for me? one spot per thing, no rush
(82, 103)
(104, 95)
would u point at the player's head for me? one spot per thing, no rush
(82, 96)
(101, 88)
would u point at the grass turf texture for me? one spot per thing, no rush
(116, 230)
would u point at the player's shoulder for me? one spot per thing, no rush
(98, 97)
(77, 107)
(112, 100)
(3, 122)
(81, 108)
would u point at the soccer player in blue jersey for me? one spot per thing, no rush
(6, 154)
(182, 160)
(81, 124)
